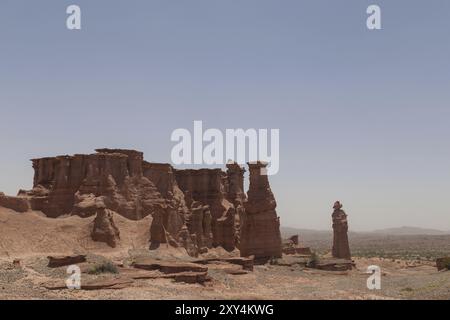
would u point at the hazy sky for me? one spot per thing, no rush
(363, 115)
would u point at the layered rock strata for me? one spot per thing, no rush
(194, 209)
(68, 184)
(236, 195)
(207, 187)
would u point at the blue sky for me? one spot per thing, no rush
(363, 115)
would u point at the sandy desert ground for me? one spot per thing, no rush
(408, 270)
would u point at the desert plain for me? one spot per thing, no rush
(407, 264)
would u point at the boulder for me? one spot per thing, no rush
(186, 276)
(246, 263)
(60, 261)
(97, 284)
(167, 267)
(334, 265)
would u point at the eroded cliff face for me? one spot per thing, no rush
(68, 184)
(195, 209)
(207, 187)
(236, 195)
(175, 210)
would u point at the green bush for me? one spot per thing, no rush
(313, 260)
(105, 267)
(443, 263)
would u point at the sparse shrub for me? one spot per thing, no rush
(105, 267)
(443, 263)
(273, 261)
(313, 260)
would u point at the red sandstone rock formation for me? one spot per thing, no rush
(246, 263)
(104, 229)
(198, 222)
(157, 228)
(188, 241)
(207, 187)
(18, 204)
(93, 284)
(60, 261)
(166, 225)
(260, 226)
(341, 247)
(236, 195)
(163, 177)
(334, 265)
(128, 185)
(225, 232)
(66, 184)
(235, 179)
(147, 263)
(195, 209)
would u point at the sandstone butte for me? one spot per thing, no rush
(195, 209)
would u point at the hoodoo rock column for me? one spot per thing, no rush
(105, 229)
(260, 225)
(341, 247)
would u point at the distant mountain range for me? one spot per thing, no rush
(411, 231)
(405, 230)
